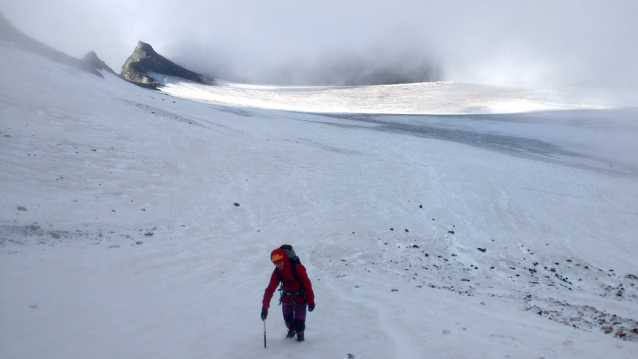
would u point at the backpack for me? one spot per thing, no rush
(293, 259)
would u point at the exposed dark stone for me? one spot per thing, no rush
(236, 204)
(93, 62)
(20, 208)
(450, 232)
(535, 309)
(406, 230)
(482, 249)
(145, 60)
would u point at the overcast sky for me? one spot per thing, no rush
(500, 42)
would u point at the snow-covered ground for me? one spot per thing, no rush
(424, 236)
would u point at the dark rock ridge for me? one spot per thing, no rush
(12, 35)
(145, 61)
(137, 69)
(94, 62)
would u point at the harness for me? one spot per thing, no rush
(292, 293)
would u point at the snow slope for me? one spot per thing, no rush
(120, 237)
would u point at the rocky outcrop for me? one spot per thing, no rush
(12, 35)
(93, 62)
(144, 62)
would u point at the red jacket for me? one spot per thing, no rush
(290, 283)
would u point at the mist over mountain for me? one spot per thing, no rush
(90, 63)
(336, 69)
(492, 42)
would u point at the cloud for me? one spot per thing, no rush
(499, 42)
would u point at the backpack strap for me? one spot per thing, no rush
(293, 266)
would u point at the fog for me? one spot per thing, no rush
(511, 43)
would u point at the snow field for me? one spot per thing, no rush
(130, 245)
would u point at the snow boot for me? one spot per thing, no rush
(300, 338)
(291, 333)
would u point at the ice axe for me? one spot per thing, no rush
(264, 333)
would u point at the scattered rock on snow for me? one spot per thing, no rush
(450, 232)
(482, 249)
(20, 208)
(535, 309)
(236, 204)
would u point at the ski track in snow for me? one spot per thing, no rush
(119, 236)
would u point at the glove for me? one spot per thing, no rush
(311, 307)
(264, 313)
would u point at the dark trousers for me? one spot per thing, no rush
(295, 316)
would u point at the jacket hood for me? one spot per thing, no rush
(287, 270)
